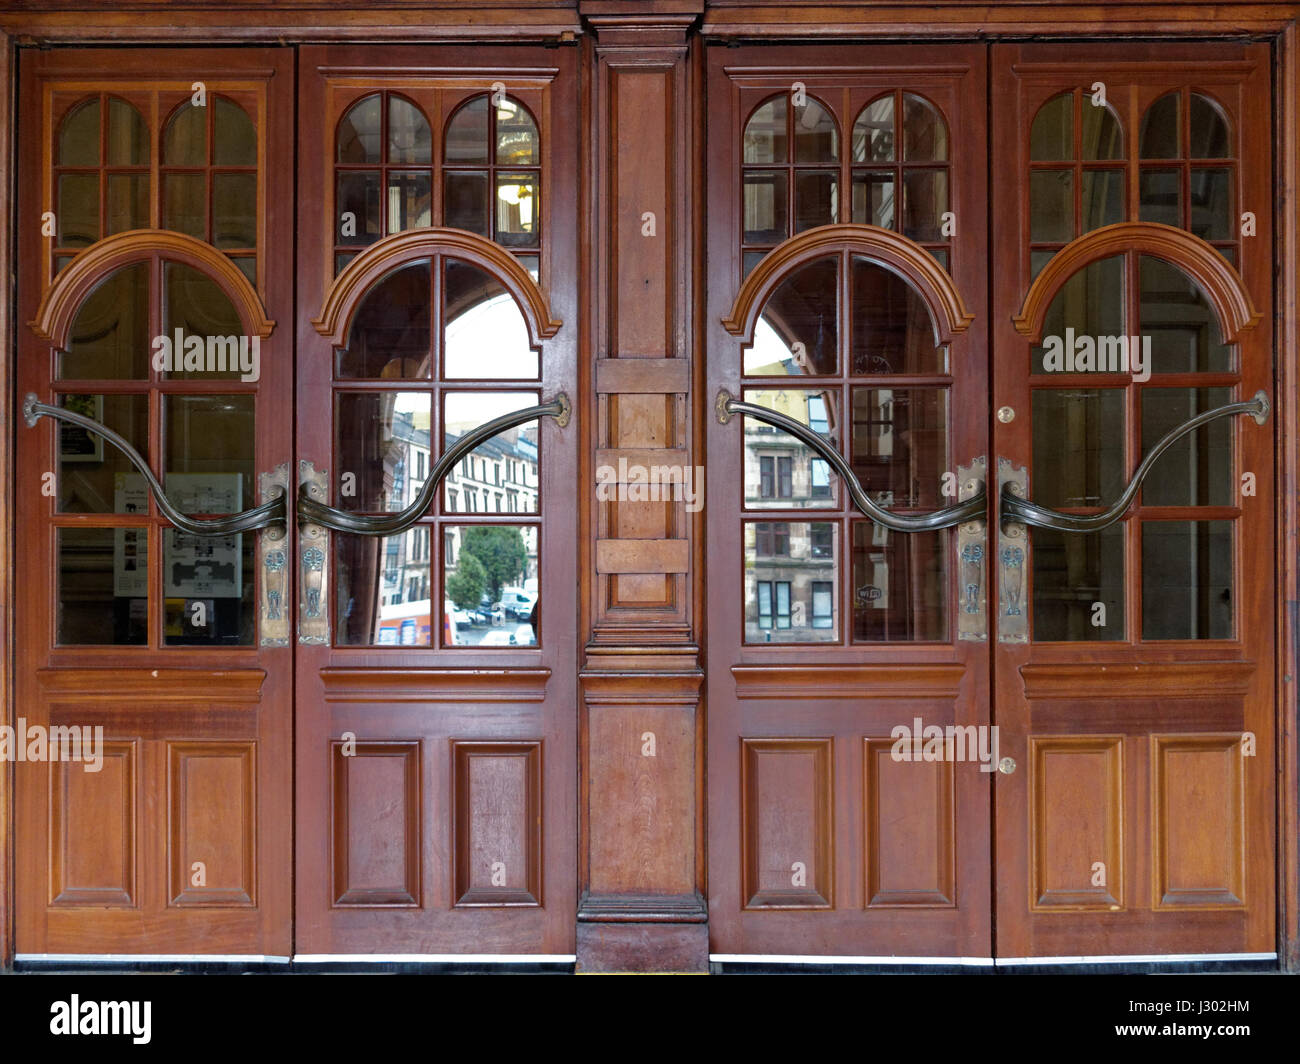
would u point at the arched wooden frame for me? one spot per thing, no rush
(382, 257)
(1216, 277)
(76, 280)
(883, 246)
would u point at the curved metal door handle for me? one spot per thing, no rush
(272, 512)
(1015, 508)
(973, 508)
(312, 511)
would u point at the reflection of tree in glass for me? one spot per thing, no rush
(500, 550)
(465, 586)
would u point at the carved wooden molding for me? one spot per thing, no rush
(905, 257)
(941, 680)
(434, 685)
(1216, 277)
(76, 280)
(381, 258)
(143, 685)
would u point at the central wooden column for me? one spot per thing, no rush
(642, 758)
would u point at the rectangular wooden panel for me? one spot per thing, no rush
(376, 821)
(642, 555)
(641, 296)
(498, 823)
(1076, 785)
(648, 774)
(644, 376)
(786, 823)
(93, 830)
(211, 831)
(1198, 804)
(908, 825)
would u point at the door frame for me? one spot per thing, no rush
(221, 25)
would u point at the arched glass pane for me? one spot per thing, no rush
(79, 135)
(1209, 130)
(873, 132)
(892, 328)
(467, 134)
(128, 136)
(109, 336)
(196, 305)
(185, 140)
(1184, 330)
(925, 133)
(1160, 129)
(359, 131)
(234, 136)
(1051, 137)
(1103, 138)
(485, 337)
(816, 140)
(765, 133)
(797, 333)
(517, 139)
(410, 140)
(390, 334)
(1089, 304)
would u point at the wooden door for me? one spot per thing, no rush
(1134, 664)
(846, 251)
(436, 734)
(147, 180)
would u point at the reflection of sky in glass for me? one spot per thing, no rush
(767, 354)
(468, 410)
(489, 341)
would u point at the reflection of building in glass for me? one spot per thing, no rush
(498, 477)
(779, 470)
(790, 580)
(406, 557)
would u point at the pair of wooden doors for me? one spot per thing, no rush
(346, 731)
(1040, 725)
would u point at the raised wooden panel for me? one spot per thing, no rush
(212, 818)
(642, 555)
(648, 774)
(786, 823)
(642, 375)
(1198, 806)
(93, 830)
(376, 821)
(497, 847)
(908, 827)
(641, 297)
(1076, 814)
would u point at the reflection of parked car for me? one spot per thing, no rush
(489, 614)
(463, 617)
(517, 602)
(498, 639)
